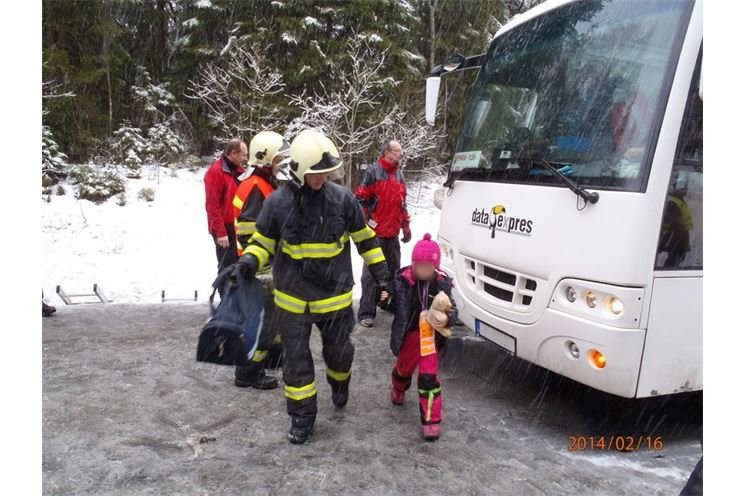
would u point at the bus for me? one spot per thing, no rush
(572, 215)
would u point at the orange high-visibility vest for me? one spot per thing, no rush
(246, 228)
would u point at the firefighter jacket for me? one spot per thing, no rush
(247, 203)
(307, 234)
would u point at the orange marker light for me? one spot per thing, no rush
(597, 359)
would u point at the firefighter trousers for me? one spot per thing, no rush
(298, 372)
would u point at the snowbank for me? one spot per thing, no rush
(136, 251)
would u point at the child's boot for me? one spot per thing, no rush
(397, 397)
(431, 432)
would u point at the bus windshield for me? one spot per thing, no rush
(583, 88)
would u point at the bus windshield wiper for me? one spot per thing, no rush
(590, 197)
(471, 172)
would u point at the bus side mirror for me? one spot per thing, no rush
(433, 92)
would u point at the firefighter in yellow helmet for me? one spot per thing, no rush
(265, 152)
(305, 229)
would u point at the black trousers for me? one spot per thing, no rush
(298, 371)
(392, 251)
(268, 332)
(226, 256)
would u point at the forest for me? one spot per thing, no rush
(138, 82)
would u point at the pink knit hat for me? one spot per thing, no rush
(426, 251)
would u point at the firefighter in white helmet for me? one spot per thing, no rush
(305, 228)
(265, 152)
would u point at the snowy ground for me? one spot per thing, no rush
(136, 251)
(128, 411)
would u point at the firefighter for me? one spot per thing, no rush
(266, 150)
(306, 227)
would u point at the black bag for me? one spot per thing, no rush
(231, 336)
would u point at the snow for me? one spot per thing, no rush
(191, 23)
(309, 22)
(371, 37)
(227, 45)
(135, 251)
(412, 56)
(203, 4)
(621, 461)
(315, 45)
(288, 38)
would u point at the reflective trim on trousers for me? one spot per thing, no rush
(338, 376)
(300, 393)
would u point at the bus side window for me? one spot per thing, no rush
(680, 245)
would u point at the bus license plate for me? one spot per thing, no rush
(496, 336)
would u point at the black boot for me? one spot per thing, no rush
(256, 379)
(47, 310)
(301, 429)
(340, 393)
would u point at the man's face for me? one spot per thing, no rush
(239, 157)
(394, 153)
(316, 181)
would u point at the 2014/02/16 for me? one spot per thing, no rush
(618, 443)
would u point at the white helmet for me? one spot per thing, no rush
(265, 146)
(312, 153)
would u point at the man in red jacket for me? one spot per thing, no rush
(382, 193)
(220, 184)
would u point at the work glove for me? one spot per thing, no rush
(407, 235)
(245, 267)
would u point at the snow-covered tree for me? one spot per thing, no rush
(129, 148)
(53, 161)
(165, 145)
(237, 88)
(96, 183)
(421, 142)
(350, 115)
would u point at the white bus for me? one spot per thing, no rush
(572, 219)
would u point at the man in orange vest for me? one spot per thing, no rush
(266, 151)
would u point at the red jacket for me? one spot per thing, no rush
(220, 185)
(382, 193)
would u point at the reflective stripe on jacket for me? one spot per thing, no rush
(247, 203)
(306, 234)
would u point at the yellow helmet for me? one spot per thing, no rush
(265, 146)
(311, 152)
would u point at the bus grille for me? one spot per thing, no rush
(500, 286)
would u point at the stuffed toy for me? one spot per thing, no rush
(437, 315)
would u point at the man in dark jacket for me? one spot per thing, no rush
(382, 193)
(220, 184)
(305, 228)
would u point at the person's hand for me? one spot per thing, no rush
(407, 235)
(223, 242)
(245, 267)
(382, 291)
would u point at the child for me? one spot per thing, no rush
(412, 291)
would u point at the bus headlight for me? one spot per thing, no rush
(618, 306)
(591, 299)
(571, 294)
(615, 305)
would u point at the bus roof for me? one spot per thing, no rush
(531, 14)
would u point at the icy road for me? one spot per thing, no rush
(127, 410)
